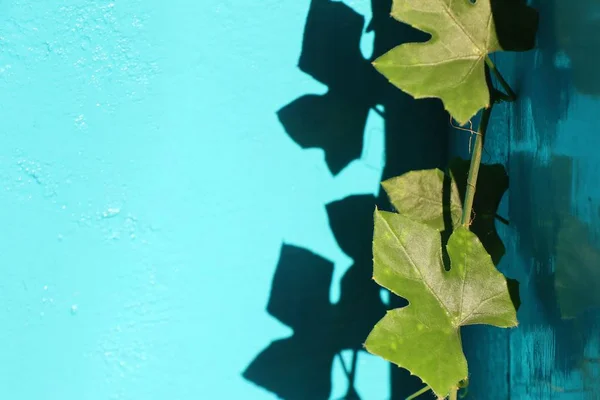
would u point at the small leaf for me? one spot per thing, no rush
(424, 337)
(418, 195)
(450, 65)
(425, 195)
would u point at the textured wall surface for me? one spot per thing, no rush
(146, 187)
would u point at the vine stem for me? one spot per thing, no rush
(474, 168)
(511, 95)
(476, 157)
(417, 394)
(478, 148)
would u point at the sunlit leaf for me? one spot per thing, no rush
(450, 65)
(424, 337)
(427, 195)
(435, 199)
(419, 196)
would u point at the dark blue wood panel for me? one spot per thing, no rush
(549, 141)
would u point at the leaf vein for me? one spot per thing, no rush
(457, 22)
(436, 63)
(481, 304)
(462, 292)
(415, 267)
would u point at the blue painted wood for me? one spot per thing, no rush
(548, 141)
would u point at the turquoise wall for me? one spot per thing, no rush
(146, 190)
(148, 187)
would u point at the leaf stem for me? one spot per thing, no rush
(511, 95)
(478, 148)
(474, 168)
(453, 394)
(417, 394)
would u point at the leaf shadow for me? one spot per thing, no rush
(300, 299)
(331, 54)
(415, 138)
(299, 367)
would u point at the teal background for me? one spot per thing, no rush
(146, 188)
(548, 141)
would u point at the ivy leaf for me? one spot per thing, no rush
(424, 337)
(425, 195)
(419, 195)
(450, 65)
(435, 199)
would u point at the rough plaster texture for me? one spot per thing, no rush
(146, 188)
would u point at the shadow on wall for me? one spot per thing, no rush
(299, 367)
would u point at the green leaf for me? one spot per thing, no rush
(419, 195)
(424, 337)
(450, 65)
(425, 195)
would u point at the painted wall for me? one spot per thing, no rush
(548, 142)
(154, 175)
(147, 187)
